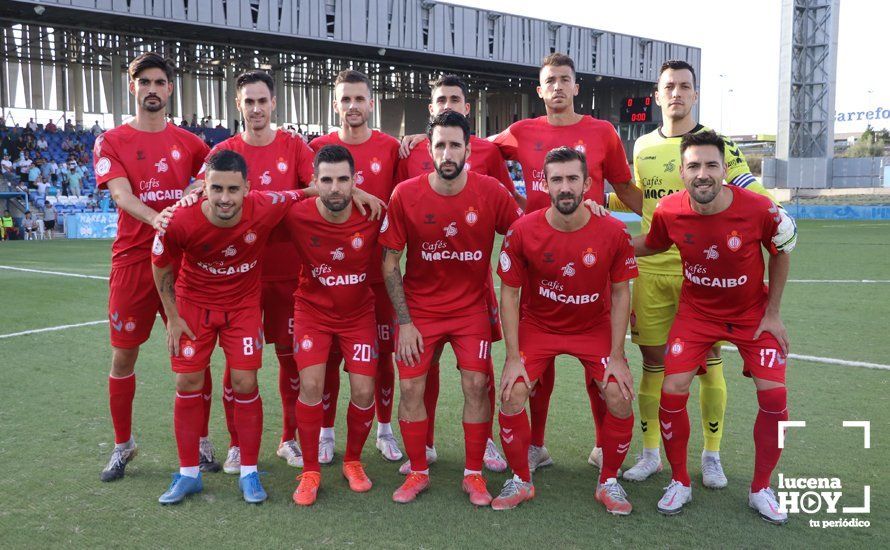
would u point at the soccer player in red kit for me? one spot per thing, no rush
(276, 161)
(720, 231)
(450, 93)
(576, 268)
(217, 296)
(447, 221)
(145, 164)
(334, 306)
(528, 141)
(376, 157)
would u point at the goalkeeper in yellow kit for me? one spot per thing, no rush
(656, 293)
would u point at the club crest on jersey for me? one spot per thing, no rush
(188, 349)
(568, 270)
(580, 147)
(734, 241)
(677, 347)
(161, 165)
(230, 251)
(265, 179)
(711, 252)
(588, 258)
(175, 154)
(306, 343)
(359, 178)
(103, 166)
(450, 229)
(157, 248)
(130, 325)
(250, 237)
(282, 165)
(337, 254)
(376, 167)
(471, 216)
(505, 261)
(357, 241)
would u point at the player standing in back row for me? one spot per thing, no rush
(447, 221)
(528, 141)
(146, 164)
(720, 231)
(276, 161)
(376, 160)
(656, 292)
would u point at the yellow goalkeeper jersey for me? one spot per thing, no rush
(656, 164)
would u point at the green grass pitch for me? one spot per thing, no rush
(55, 433)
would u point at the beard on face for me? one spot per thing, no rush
(704, 196)
(155, 106)
(335, 202)
(225, 215)
(458, 168)
(563, 208)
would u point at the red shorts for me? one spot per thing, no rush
(491, 305)
(133, 304)
(538, 348)
(691, 337)
(278, 311)
(469, 336)
(357, 342)
(385, 314)
(240, 335)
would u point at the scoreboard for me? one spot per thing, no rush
(636, 109)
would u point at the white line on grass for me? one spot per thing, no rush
(63, 274)
(52, 329)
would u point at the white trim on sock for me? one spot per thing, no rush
(384, 428)
(472, 472)
(189, 471)
(247, 470)
(326, 433)
(131, 375)
(371, 406)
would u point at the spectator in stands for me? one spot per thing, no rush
(78, 126)
(63, 180)
(66, 144)
(33, 176)
(69, 127)
(52, 167)
(96, 129)
(32, 125)
(219, 126)
(41, 186)
(49, 218)
(2, 123)
(74, 178)
(51, 127)
(6, 165)
(194, 122)
(42, 145)
(30, 227)
(184, 123)
(23, 165)
(7, 226)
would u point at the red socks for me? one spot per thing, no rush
(207, 393)
(229, 407)
(414, 437)
(249, 425)
(358, 426)
(539, 403)
(309, 418)
(616, 434)
(675, 433)
(188, 413)
(331, 391)
(475, 437)
(492, 399)
(383, 388)
(773, 408)
(515, 436)
(289, 389)
(120, 400)
(598, 408)
(430, 400)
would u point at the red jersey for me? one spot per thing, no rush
(337, 263)
(219, 264)
(528, 142)
(568, 274)
(283, 165)
(722, 261)
(449, 240)
(376, 161)
(158, 167)
(485, 158)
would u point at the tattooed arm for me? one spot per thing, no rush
(409, 345)
(176, 325)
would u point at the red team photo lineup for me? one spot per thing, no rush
(361, 256)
